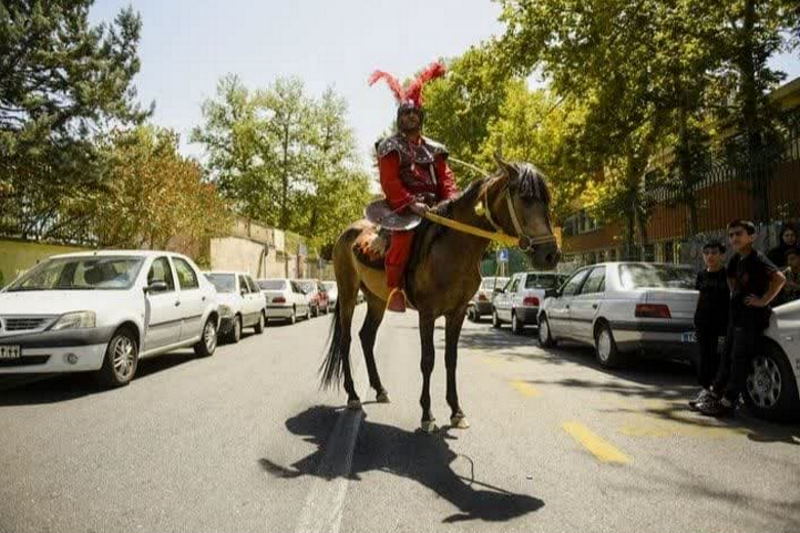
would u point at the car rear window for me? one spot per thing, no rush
(490, 283)
(640, 276)
(542, 281)
(223, 282)
(272, 284)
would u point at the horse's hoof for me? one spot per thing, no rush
(429, 426)
(459, 422)
(354, 404)
(383, 397)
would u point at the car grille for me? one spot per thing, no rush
(23, 323)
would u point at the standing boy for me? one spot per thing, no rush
(711, 317)
(754, 282)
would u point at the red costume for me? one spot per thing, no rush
(412, 169)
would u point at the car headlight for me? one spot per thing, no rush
(225, 311)
(76, 320)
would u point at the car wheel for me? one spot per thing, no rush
(771, 390)
(495, 319)
(516, 324)
(293, 317)
(208, 342)
(262, 320)
(605, 347)
(472, 315)
(545, 336)
(236, 331)
(120, 361)
(315, 311)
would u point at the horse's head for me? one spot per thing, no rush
(520, 205)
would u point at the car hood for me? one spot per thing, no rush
(58, 302)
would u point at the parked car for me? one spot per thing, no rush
(623, 308)
(481, 303)
(285, 299)
(774, 377)
(318, 295)
(241, 304)
(519, 300)
(333, 293)
(103, 311)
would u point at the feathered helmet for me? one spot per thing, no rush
(409, 98)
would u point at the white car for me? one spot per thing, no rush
(285, 299)
(623, 308)
(103, 311)
(774, 377)
(241, 304)
(519, 300)
(333, 293)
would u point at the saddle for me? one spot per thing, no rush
(371, 246)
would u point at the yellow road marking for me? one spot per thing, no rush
(526, 389)
(599, 447)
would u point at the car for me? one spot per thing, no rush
(519, 300)
(481, 302)
(318, 296)
(102, 311)
(333, 293)
(771, 387)
(624, 308)
(285, 299)
(241, 304)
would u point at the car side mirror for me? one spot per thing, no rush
(156, 286)
(499, 290)
(242, 292)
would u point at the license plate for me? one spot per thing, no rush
(10, 352)
(689, 336)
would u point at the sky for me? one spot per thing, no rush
(187, 46)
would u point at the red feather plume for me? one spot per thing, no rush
(391, 81)
(414, 90)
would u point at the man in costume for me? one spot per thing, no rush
(413, 171)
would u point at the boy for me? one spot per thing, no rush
(711, 316)
(754, 282)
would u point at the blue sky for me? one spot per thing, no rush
(187, 46)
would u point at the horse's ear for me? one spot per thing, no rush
(504, 166)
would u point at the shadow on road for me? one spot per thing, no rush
(426, 459)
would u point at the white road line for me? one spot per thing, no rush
(322, 511)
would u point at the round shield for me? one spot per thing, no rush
(379, 212)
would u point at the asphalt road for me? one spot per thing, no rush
(245, 441)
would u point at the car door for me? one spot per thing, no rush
(163, 314)
(246, 300)
(558, 310)
(502, 301)
(300, 298)
(192, 298)
(258, 300)
(586, 304)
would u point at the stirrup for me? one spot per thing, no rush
(391, 297)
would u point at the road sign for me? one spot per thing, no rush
(502, 255)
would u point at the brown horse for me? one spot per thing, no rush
(442, 276)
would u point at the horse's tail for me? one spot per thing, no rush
(332, 367)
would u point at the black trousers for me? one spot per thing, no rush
(739, 347)
(708, 355)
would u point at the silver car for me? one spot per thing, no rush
(285, 299)
(518, 302)
(624, 308)
(481, 302)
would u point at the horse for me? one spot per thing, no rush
(442, 275)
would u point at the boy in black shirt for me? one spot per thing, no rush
(710, 317)
(754, 282)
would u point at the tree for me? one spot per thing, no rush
(152, 194)
(62, 83)
(284, 158)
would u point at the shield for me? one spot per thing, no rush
(379, 212)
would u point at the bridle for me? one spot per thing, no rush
(524, 241)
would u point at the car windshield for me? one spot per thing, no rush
(223, 282)
(80, 273)
(640, 275)
(272, 284)
(542, 281)
(308, 286)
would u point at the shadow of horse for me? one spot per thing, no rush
(424, 458)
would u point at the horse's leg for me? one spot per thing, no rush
(368, 332)
(426, 324)
(346, 320)
(453, 325)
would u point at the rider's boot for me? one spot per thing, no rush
(397, 301)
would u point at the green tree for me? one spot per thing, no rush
(62, 82)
